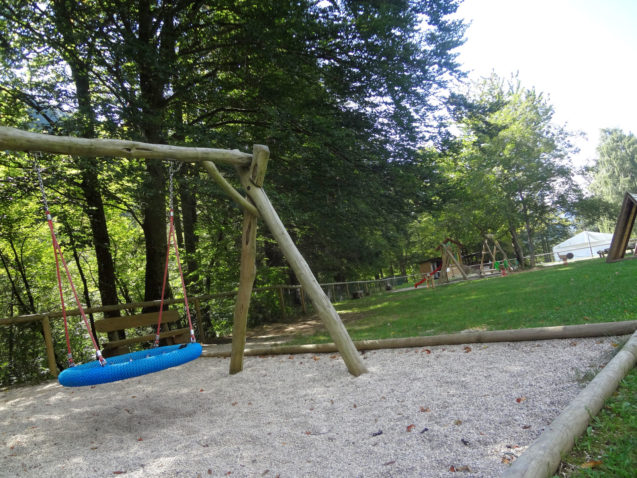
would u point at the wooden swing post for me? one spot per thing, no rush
(248, 266)
(251, 169)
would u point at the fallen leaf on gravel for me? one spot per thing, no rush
(425, 409)
(506, 460)
(308, 433)
(591, 464)
(315, 358)
(333, 357)
(234, 404)
(526, 427)
(291, 357)
(427, 351)
(140, 439)
(389, 463)
(411, 427)
(119, 472)
(467, 349)
(573, 344)
(614, 344)
(520, 399)
(201, 389)
(463, 468)
(457, 422)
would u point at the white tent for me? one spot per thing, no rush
(583, 245)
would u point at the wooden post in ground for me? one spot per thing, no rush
(247, 273)
(199, 320)
(282, 302)
(48, 342)
(323, 306)
(248, 268)
(303, 300)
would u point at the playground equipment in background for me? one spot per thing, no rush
(502, 265)
(565, 257)
(451, 260)
(623, 229)
(429, 277)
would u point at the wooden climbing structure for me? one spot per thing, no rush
(623, 229)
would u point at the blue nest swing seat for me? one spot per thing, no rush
(129, 365)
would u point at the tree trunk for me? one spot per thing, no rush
(189, 221)
(89, 184)
(519, 254)
(154, 227)
(529, 230)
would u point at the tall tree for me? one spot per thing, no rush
(517, 155)
(615, 172)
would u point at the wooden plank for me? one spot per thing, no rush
(133, 321)
(147, 338)
(18, 140)
(247, 273)
(324, 307)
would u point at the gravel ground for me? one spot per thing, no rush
(444, 411)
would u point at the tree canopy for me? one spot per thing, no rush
(343, 92)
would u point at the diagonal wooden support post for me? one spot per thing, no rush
(252, 180)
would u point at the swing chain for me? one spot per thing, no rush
(173, 168)
(38, 170)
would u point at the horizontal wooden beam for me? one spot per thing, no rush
(543, 457)
(601, 329)
(17, 140)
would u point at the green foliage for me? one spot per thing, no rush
(343, 93)
(613, 175)
(510, 173)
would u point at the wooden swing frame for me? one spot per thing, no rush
(493, 253)
(251, 169)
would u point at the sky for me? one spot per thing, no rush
(582, 54)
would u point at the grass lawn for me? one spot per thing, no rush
(608, 448)
(578, 293)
